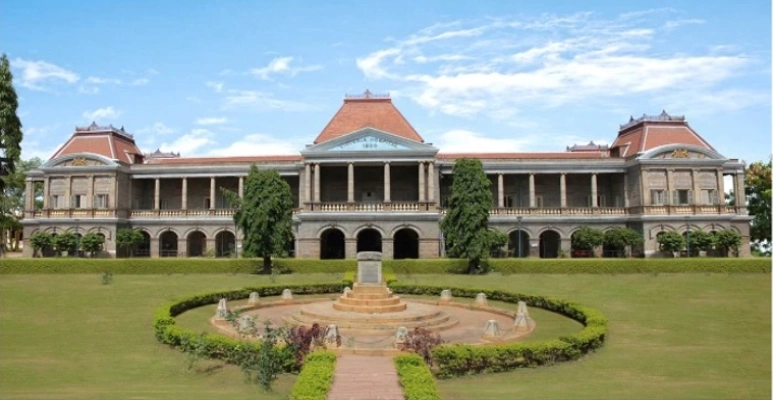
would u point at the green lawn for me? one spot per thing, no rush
(675, 336)
(671, 336)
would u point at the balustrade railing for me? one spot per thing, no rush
(74, 213)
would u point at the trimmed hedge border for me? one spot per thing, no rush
(316, 377)
(463, 359)
(415, 378)
(426, 266)
(448, 360)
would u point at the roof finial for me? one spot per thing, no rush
(367, 93)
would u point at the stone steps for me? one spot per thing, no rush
(370, 309)
(369, 288)
(369, 302)
(375, 327)
(368, 296)
(325, 314)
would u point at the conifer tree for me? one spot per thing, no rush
(465, 225)
(10, 125)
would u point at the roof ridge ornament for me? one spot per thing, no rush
(367, 95)
(662, 117)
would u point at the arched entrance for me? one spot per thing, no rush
(143, 250)
(225, 244)
(610, 251)
(197, 244)
(369, 240)
(332, 245)
(168, 244)
(406, 244)
(513, 241)
(549, 244)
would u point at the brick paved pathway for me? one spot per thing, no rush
(365, 378)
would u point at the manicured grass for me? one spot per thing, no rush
(671, 336)
(71, 337)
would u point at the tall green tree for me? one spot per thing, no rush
(13, 199)
(465, 225)
(264, 215)
(10, 134)
(758, 203)
(129, 239)
(10, 125)
(587, 238)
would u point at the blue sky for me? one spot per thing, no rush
(259, 77)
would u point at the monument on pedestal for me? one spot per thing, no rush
(369, 294)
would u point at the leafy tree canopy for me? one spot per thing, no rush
(701, 240)
(621, 237)
(672, 241)
(758, 192)
(728, 239)
(92, 243)
(264, 215)
(587, 238)
(465, 225)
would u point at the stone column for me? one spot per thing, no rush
(350, 248)
(431, 182)
(387, 184)
(185, 194)
(182, 247)
(594, 191)
(29, 198)
(740, 191)
(421, 182)
(241, 187)
(387, 248)
(46, 193)
(157, 195)
(350, 183)
(316, 183)
(562, 186)
(90, 191)
(532, 193)
(625, 191)
(500, 191)
(211, 244)
(533, 250)
(696, 188)
(307, 179)
(669, 186)
(212, 193)
(720, 187)
(68, 192)
(565, 247)
(155, 250)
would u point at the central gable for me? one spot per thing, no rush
(369, 142)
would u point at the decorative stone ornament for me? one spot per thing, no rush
(522, 319)
(401, 336)
(254, 299)
(480, 300)
(346, 291)
(331, 335)
(245, 323)
(445, 296)
(492, 328)
(287, 295)
(222, 309)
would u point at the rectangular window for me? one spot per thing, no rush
(78, 201)
(682, 197)
(657, 197)
(709, 197)
(54, 200)
(100, 201)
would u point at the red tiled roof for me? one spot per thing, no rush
(366, 111)
(108, 144)
(650, 135)
(522, 156)
(224, 160)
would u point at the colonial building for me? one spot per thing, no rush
(370, 182)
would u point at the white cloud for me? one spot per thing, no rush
(211, 121)
(102, 81)
(140, 82)
(498, 67)
(105, 113)
(193, 99)
(281, 65)
(34, 74)
(189, 144)
(158, 128)
(152, 71)
(258, 144)
(88, 89)
(465, 141)
(216, 86)
(260, 101)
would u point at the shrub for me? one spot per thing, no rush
(587, 238)
(702, 240)
(64, 242)
(92, 243)
(728, 239)
(316, 377)
(415, 378)
(41, 241)
(303, 340)
(671, 241)
(421, 341)
(128, 238)
(630, 266)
